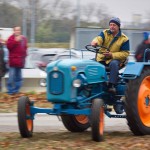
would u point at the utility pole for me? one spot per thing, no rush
(24, 6)
(24, 20)
(32, 38)
(78, 14)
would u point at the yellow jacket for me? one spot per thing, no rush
(118, 46)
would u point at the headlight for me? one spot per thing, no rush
(43, 82)
(77, 83)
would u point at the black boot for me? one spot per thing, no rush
(111, 88)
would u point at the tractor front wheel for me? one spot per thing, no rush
(97, 119)
(137, 104)
(25, 120)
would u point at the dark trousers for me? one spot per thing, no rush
(114, 70)
(0, 84)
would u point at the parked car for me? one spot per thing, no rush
(41, 57)
(38, 59)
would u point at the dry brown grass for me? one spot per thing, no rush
(73, 141)
(8, 103)
(64, 140)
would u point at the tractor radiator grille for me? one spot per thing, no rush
(56, 82)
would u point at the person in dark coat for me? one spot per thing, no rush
(140, 50)
(17, 47)
(2, 64)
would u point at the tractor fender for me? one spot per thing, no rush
(133, 70)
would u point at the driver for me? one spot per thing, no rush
(117, 50)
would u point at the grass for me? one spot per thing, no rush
(63, 140)
(73, 141)
(51, 45)
(8, 103)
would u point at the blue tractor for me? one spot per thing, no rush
(79, 93)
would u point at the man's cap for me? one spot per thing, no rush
(146, 35)
(116, 21)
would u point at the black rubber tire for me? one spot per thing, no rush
(132, 102)
(25, 125)
(97, 119)
(72, 124)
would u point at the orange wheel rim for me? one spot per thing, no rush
(83, 119)
(29, 122)
(101, 121)
(144, 101)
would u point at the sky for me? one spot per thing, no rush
(124, 9)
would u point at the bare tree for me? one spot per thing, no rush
(87, 12)
(10, 15)
(102, 15)
(60, 9)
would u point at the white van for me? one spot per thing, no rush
(5, 33)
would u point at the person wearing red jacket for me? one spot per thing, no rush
(17, 47)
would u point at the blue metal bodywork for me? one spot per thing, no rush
(134, 69)
(60, 78)
(68, 99)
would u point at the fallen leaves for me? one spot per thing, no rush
(8, 103)
(74, 141)
(63, 140)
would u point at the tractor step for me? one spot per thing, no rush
(114, 115)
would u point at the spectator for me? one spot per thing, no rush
(117, 51)
(139, 53)
(3, 43)
(17, 47)
(5, 53)
(3, 59)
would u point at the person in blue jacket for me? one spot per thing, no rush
(140, 50)
(3, 60)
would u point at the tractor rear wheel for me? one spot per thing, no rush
(76, 123)
(137, 104)
(25, 120)
(97, 119)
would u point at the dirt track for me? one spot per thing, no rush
(46, 123)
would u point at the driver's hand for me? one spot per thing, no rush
(108, 54)
(94, 44)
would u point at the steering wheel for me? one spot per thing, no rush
(94, 49)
